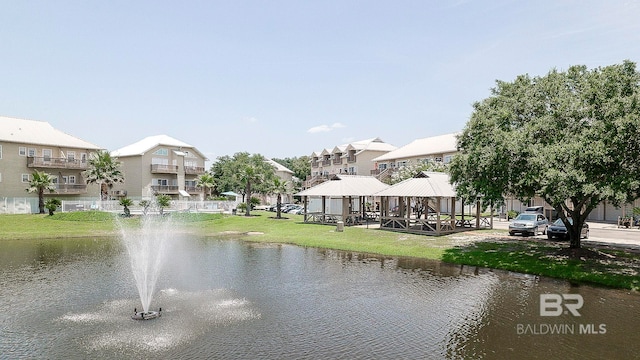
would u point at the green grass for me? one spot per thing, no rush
(606, 267)
(614, 268)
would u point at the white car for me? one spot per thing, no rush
(528, 224)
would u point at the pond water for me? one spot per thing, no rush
(227, 299)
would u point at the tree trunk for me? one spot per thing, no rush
(248, 200)
(278, 206)
(41, 200)
(575, 231)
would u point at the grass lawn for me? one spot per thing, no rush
(485, 248)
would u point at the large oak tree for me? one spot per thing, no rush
(571, 137)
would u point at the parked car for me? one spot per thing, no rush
(559, 230)
(528, 224)
(288, 207)
(535, 209)
(298, 210)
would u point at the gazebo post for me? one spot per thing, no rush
(438, 215)
(324, 209)
(305, 203)
(477, 213)
(453, 213)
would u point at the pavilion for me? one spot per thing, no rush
(426, 205)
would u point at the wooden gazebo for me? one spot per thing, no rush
(426, 204)
(353, 192)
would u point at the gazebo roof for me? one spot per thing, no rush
(346, 185)
(424, 184)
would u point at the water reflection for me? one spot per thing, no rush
(230, 299)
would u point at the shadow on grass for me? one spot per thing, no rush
(607, 267)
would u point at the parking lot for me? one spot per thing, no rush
(607, 234)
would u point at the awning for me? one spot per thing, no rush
(183, 193)
(230, 193)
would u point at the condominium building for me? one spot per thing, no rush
(29, 145)
(348, 159)
(159, 165)
(438, 149)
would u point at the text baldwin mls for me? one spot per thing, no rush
(556, 305)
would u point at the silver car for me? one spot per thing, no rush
(528, 224)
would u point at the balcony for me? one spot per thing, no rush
(55, 163)
(70, 189)
(337, 161)
(314, 164)
(326, 162)
(165, 189)
(164, 169)
(193, 170)
(194, 189)
(351, 159)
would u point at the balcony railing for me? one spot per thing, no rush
(194, 189)
(326, 162)
(164, 169)
(56, 163)
(193, 170)
(165, 189)
(70, 189)
(337, 161)
(314, 164)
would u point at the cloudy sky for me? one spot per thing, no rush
(286, 78)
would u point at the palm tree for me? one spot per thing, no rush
(206, 181)
(103, 170)
(52, 205)
(162, 201)
(126, 202)
(41, 181)
(280, 187)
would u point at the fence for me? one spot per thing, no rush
(30, 206)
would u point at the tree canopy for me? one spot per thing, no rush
(571, 137)
(243, 173)
(39, 182)
(103, 169)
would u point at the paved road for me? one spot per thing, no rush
(600, 234)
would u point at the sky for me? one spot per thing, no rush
(287, 78)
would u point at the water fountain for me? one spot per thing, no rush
(147, 247)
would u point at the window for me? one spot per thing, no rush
(447, 158)
(83, 158)
(382, 166)
(163, 152)
(71, 155)
(46, 154)
(0, 177)
(161, 182)
(25, 178)
(159, 161)
(0, 151)
(402, 164)
(31, 152)
(22, 151)
(72, 179)
(438, 159)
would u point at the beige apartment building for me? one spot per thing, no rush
(159, 165)
(438, 149)
(348, 159)
(29, 145)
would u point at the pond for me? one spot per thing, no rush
(229, 299)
